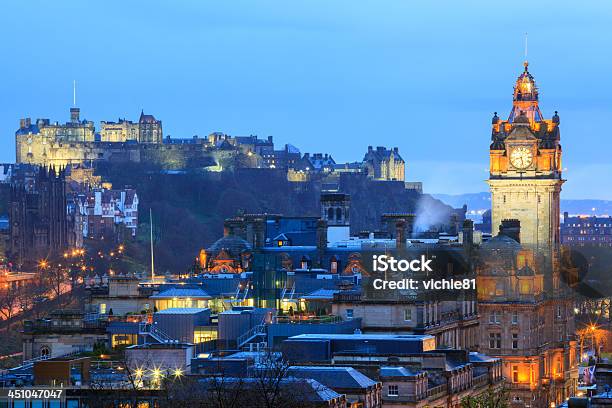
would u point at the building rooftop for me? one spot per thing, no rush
(194, 293)
(181, 311)
(333, 377)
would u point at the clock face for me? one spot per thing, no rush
(521, 157)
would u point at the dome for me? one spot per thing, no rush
(231, 243)
(502, 242)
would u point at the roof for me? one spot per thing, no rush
(392, 371)
(321, 294)
(476, 357)
(363, 336)
(235, 245)
(182, 311)
(195, 293)
(333, 377)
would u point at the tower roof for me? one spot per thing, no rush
(525, 97)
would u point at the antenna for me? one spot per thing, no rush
(151, 236)
(525, 46)
(74, 93)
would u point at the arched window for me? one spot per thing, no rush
(330, 214)
(45, 351)
(338, 213)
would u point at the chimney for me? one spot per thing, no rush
(270, 139)
(511, 228)
(321, 235)
(25, 123)
(395, 149)
(565, 217)
(400, 234)
(259, 232)
(74, 115)
(369, 148)
(468, 234)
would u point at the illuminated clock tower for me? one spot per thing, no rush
(525, 172)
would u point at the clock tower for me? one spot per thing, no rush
(525, 169)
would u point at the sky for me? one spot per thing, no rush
(325, 76)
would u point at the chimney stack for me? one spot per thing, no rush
(400, 234)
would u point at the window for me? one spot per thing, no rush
(515, 317)
(45, 351)
(102, 308)
(393, 391)
(558, 312)
(515, 341)
(349, 313)
(515, 374)
(407, 315)
(495, 340)
(494, 317)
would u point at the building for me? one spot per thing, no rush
(583, 230)
(120, 131)
(526, 314)
(39, 222)
(61, 333)
(104, 212)
(149, 129)
(384, 164)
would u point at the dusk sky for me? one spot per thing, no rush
(325, 76)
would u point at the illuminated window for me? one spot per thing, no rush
(515, 374)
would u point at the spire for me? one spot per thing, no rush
(526, 63)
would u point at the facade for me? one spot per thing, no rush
(39, 223)
(526, 315)
(103, 212)
(384, 164)
(583, 230)
(149, 129)
(120, 131)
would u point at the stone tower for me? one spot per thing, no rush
(525, 169)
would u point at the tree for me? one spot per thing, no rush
(492, 398)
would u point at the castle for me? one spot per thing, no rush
(77, 142)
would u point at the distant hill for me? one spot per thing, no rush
(482, 201)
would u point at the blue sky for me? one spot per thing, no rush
(326, 76)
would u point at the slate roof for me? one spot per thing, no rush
(333, 377)
(195, 293)
(392, 371)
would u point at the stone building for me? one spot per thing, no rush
(39, 222)
(384, 164)
(149, 129)
(120, 131)
(526, 312)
